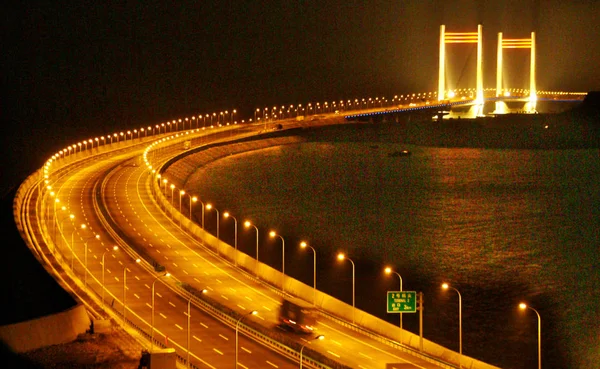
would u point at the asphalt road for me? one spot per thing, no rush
(146, 226)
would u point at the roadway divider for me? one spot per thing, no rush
(330, 307)
(111, 226)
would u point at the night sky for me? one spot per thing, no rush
(75, 70)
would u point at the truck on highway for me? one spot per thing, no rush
(297, 315)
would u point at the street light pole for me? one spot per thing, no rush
(319, 337)
(389, 270)
(272, 234)
(181, 192)
(188, 331)
(253, 312)
(304, 245)
(209, 206)
(97, 236)
(192, 200)
(235, 237)
(115, 248)
(341, 256)
(152, 331)
(248, 224)
(524, 306)
(446, 286)
(125, 289)
(172, 199)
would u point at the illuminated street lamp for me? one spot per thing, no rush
(389, 270)
(172, 199)
(305, 245)
(209, 206)
(83, 226)
(181, 192)
(165, 181)
(524, 306)
(97, 236)
(253, 312)
(167, 274)
(115, 248)
(446, 286)
(235, 237)
(341, 256)
(319, 338)
(272, 234)
(193, 199)
(247, 224)
(62, 221)
(125, 289)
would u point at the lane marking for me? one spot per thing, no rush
(172, 304)
(150, 306)
(178, 326)
(367, 356)
(196, 338)
(273, 365)
(163, 315)
(204, 325)
(136, 295)
(334, 354)
(266, 308)
(225, 297)
(245, 349)
(159, 295)
(223, 337)
(217, 351)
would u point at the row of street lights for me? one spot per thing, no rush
(341, 257)
(272, 234)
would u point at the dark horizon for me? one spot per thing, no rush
(86, 69)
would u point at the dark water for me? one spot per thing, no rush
(501, 226)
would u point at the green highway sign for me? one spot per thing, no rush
(402, 302)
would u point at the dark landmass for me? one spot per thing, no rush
(28, 291)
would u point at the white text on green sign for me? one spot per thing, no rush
(402, 302)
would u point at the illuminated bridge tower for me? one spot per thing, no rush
(461, 38)
(516, 43)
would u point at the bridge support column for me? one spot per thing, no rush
(500, 105)
(517, 43)
(479, 93)
(532, 86)
(442, 68)
(462, 38)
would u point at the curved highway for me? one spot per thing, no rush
(144, 225)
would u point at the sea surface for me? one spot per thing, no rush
(500, 225)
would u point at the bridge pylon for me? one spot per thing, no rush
(462, 38)
(516, 43)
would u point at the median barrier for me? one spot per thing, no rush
(331, 307)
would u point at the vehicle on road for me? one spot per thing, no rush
(297, 315)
